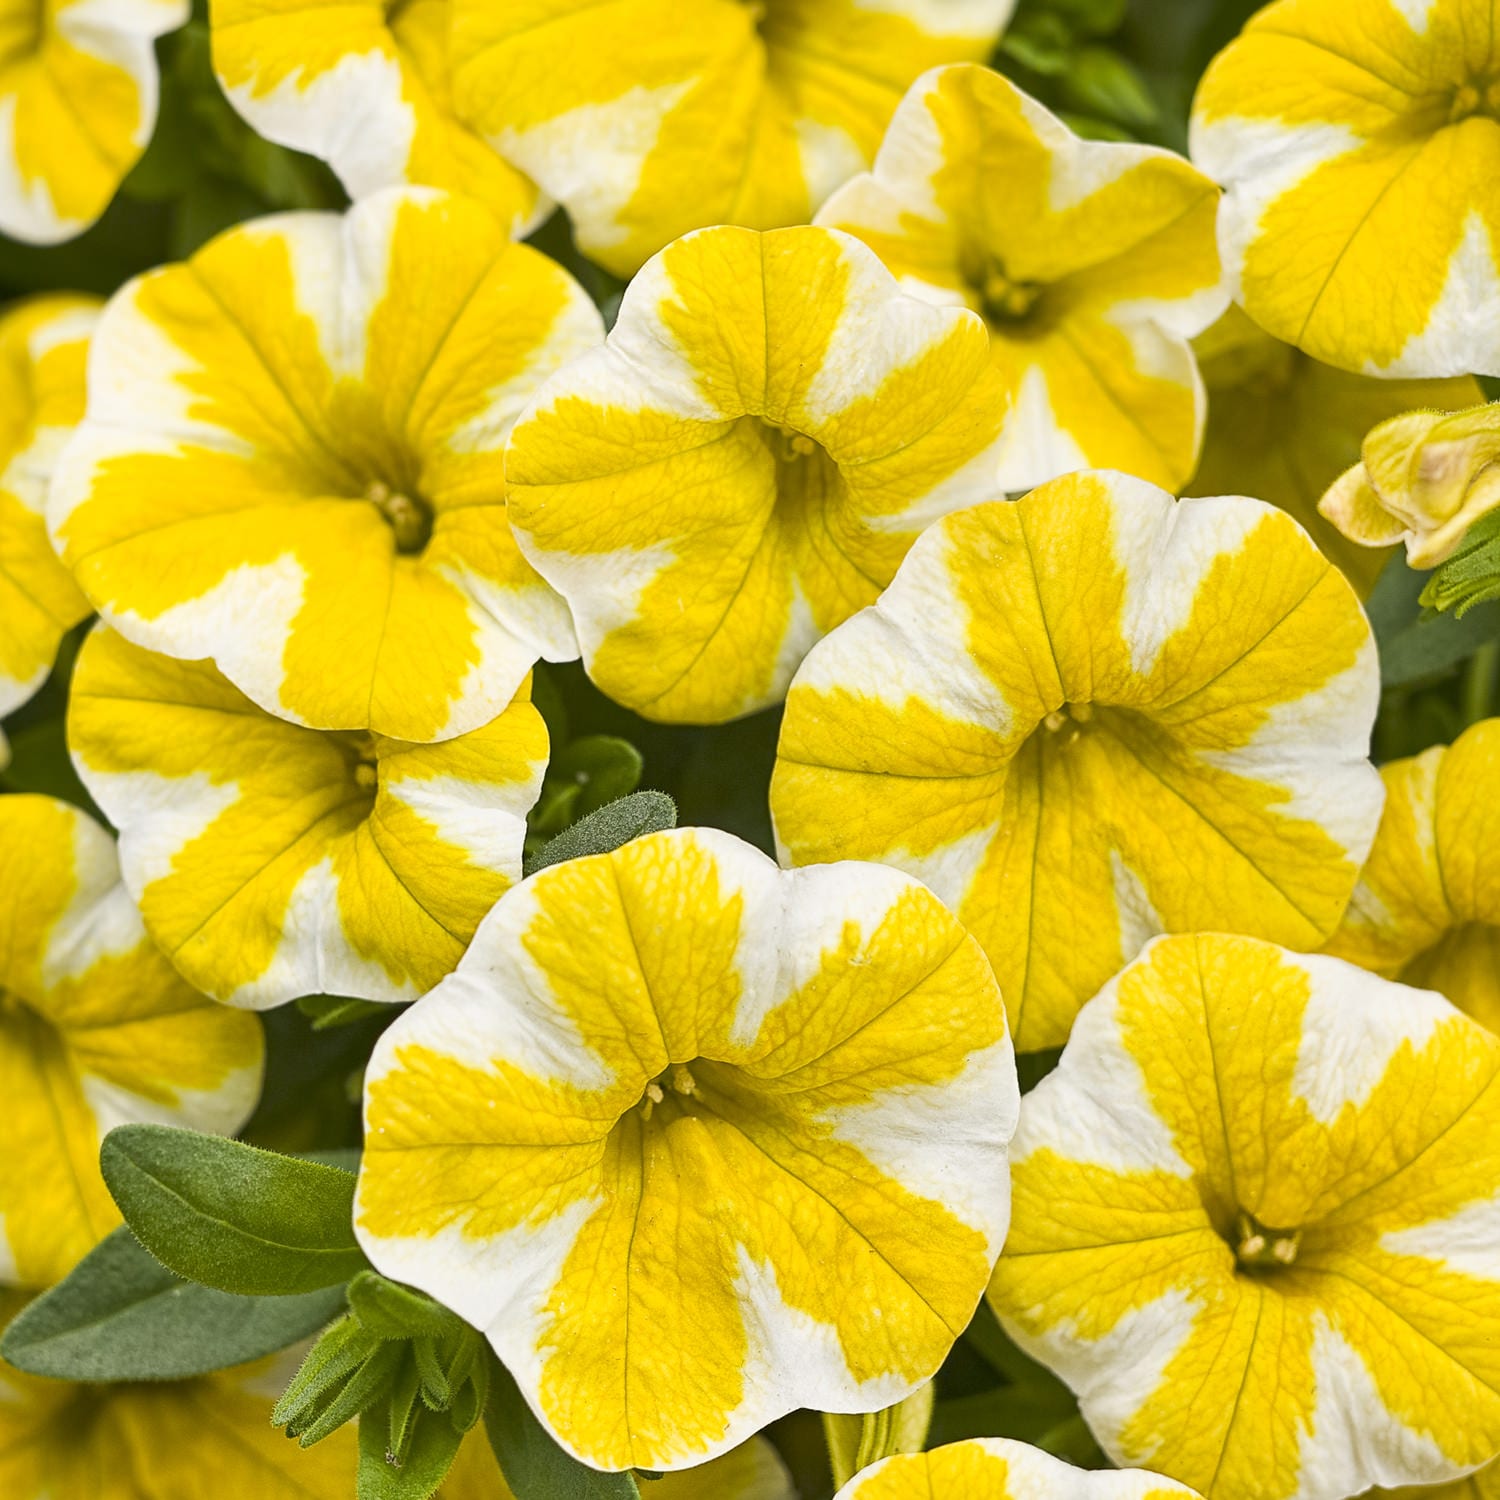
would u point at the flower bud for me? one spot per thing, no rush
(1424, 479)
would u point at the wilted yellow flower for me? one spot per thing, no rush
(78, 88)
(271, 860)
(697, 1141)
(161, 1439)
(364, 86)
(753, 1471)
(96, 1029)
(43, 346)
(1089, 716)
(1000, 1469)
(1093, 263)
(1283, 427)
(1425, 478)
(1358, 143)
(644, 123)
(1427, 906)
(293, 462)
(746, 461)
(1255, 1211)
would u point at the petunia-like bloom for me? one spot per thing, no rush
(745, 462)
(1090, 716)
(78, 85)
(1000, 1469)
(43, 347)
(644, 125)
(96, 1029)
(162, 1439)
(1424, 478)
(1358, 142)
(366, 88)
(1283, 427)
(697, 1141)
(753, 1471)
(1427, 906)
(1092, 262)
(271, 860)
(1255, 1212)
(293, 462)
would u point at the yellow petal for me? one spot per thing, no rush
(1254, 1224)
(671, 1110)
(96, 1029)
(743, 465)
(272, 860)
(1090, 716)
(274, 427)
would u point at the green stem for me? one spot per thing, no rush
(1480, 681)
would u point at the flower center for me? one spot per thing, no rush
(1070, 717)
(1476, 96)
(787, 445)
(1258, 1248)
(677, 1080)
(358, 746)
(408, 516)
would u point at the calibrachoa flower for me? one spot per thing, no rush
(1000, 1469)
(364, 86)
(753, 1471)
(271, 860)
(43, 345)
(77, 106)
(745, 462)
(1254, 1224)
(697, 1141)
(1424, 479)
(1089, 716)
(161, 1439)
(644, 125)
(1093, 263)
(96, 1029)
(1283, 427)
(293, 462)
(1357, 141)
(1427, 906)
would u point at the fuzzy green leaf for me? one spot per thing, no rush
(232, 1216)
(609, 828)
(121, 1315)
(1415, 644)
(534, 1466)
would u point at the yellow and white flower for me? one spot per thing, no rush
(1001, 1469)
(753, 1471)
(1090, 716)
(697, 1141)
(271, 860)
(43, 346)
(293, 462)
(645, 122)
(1424, 478)
(78, 86)
(1427, 906)
(96, 1029)
(366, 88)
(1283, 427)
(1358, 142)
(1092, 262)
(161, 1439)
(745, 462)
(1255, 1224)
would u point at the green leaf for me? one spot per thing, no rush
(1041, 42)
(534, 1466)
(121, 1315)
(609, 828)
(1100, 82)
(232, 1216)
(327, 1011)
(39, 762)
(392, 1311)
(430, 1451)
(1415, 644)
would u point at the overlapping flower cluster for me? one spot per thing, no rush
(888, 430)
